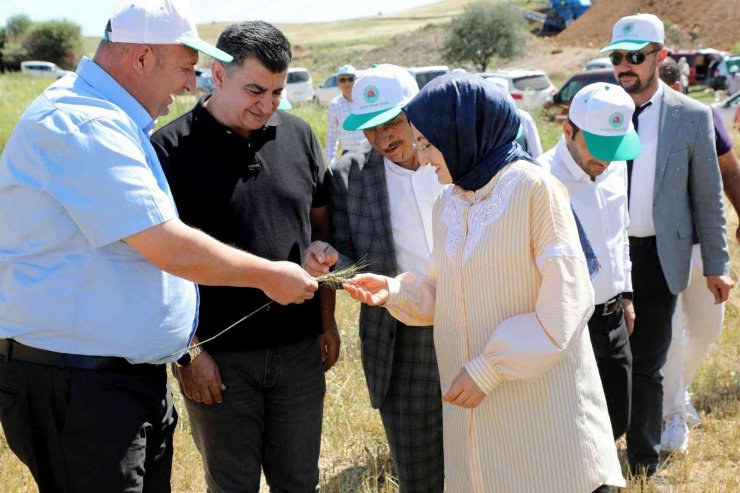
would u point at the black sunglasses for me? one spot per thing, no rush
(351, 78)
(633, 57)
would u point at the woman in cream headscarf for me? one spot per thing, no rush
(509, 295)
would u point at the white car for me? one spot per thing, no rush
(530, 89)
(43, 69)
(424, 74)
(599, 63)
(328, 90)
(299, 85)
(727, 110)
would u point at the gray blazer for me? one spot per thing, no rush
(361, 225)
(687, 191)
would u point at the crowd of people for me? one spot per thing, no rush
(521, 310)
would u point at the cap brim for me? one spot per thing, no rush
(285, 105)
(613, 148)
(209, 50)
(625, 45)
(370, 120)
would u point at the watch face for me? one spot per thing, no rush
(184, 360)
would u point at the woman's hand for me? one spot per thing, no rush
(370, 289)
(464, 392)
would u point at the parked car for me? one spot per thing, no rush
(702, 62)
(328, 90)
(424, 74)
(529, 88)
(560, 103)
(36, 68)
(599, 63)
(203, 80)
(299, 85)
(727, 109)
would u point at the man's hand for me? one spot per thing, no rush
(319, 258)
(464, 392)
(329, 343)
(201, 380)
(289, 283)
(371, 289)
(629, 315)
(720, 287)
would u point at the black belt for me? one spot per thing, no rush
(637, 241)
(609, 307)
(14, 350)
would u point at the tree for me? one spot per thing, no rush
(485, 30)
(54, 41)
(18, 25)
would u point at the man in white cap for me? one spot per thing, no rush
(382, 200)
(673, 186)
(94, 262)
(598, 137)
(339, 109)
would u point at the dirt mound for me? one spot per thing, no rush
(693, 23)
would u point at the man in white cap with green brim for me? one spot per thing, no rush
(97, 269)
(382, 199)
(339, 109)
(674, 187)
(589, 160)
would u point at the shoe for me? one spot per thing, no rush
(675, 436)
(692, 415)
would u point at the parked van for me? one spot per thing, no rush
(43, 69)
(531, 89)
(424, 74)
(299, 85)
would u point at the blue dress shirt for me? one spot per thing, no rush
(77, 176)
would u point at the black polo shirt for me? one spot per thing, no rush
(255, 194)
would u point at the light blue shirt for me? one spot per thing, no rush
(77, 176)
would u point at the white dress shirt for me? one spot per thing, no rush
(643, 169)
(339, 109)
(601, 206)
(411, 197)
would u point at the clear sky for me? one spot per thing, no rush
(93, 14)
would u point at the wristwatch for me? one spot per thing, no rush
(188, 357)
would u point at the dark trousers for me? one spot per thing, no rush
(654, 307)
(270, 419)
(614, 359)
(412, 412)
(89, 431)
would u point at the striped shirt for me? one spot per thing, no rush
(339, 110)
(513, 297)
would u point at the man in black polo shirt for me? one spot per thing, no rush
(252, 177)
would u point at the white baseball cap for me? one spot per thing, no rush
(159, 22)
(604, 113)
(634, 32)
(347, 70)
(378, 96)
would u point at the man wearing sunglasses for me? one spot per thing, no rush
(673, 185)
(339, 109)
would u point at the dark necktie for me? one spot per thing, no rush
(635, 121)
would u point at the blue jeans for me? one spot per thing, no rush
(654, 306)
(270, 419)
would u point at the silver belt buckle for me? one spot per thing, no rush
(611, 306)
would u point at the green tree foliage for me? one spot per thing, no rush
(18, 25)
(55, 41)
(485, 30)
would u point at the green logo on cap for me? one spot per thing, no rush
(616, 120)
(371, 94)
(628, 28)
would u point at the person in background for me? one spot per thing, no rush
(97, 270)
(528, 136)
(381, 201)
(509, 293)
(253, 177)
(337, 137)
(589, 160)
(673, 187)
(697, 322)
(684, 70)
(733, 80)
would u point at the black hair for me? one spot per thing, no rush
(668, 71)
(258, 40)
(574, 127)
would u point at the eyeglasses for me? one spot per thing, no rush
(633, 57)
(421, 147)
(342, 80)
(388, 126)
